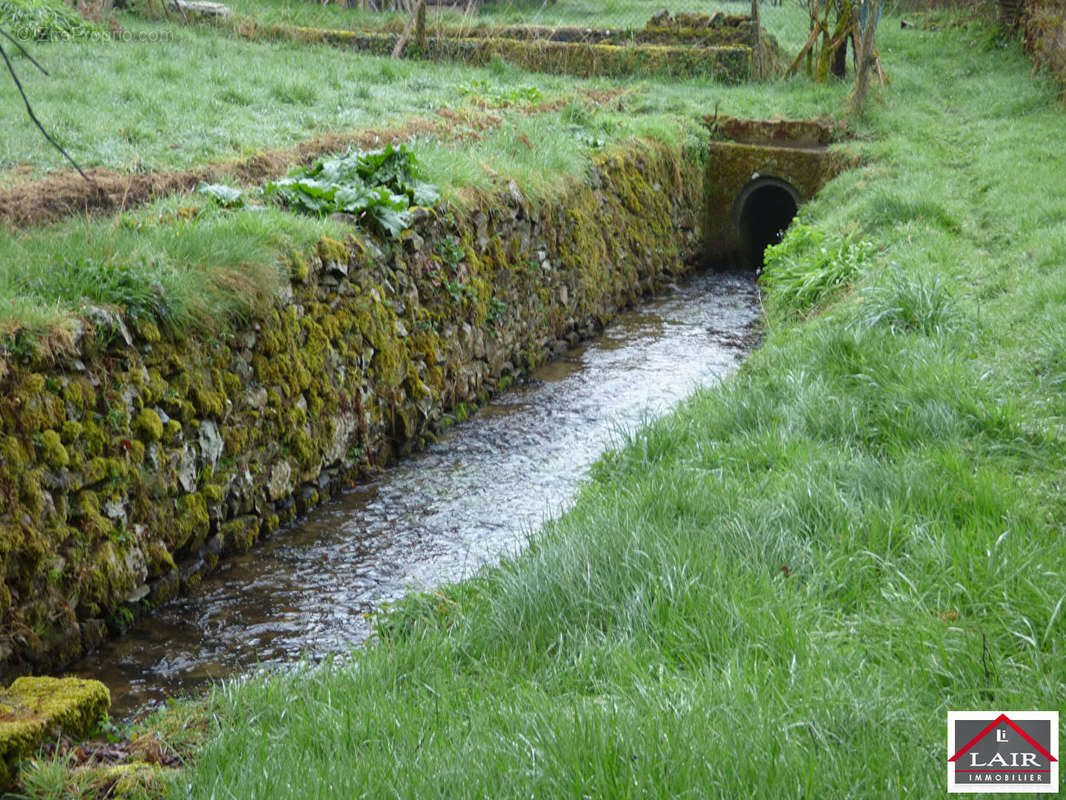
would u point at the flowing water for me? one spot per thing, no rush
(435, 517)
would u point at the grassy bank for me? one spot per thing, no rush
(175, 96)
(197, 95)
(797, 572)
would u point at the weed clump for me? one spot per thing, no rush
(379, 187)
(909, 304)
(809, 269)
(44, 21)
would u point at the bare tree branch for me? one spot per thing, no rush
(29, 108)
(22, 50)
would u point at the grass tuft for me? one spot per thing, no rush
(910, 304)
(809, 268)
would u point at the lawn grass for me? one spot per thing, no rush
(781, 588)
(181, 263)
(173, 96)
(199, 95)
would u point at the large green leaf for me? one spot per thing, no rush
(380, 186)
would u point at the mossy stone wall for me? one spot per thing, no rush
(729, 63)
(130, 469)
(1045, 35)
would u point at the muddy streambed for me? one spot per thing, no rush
(436, 517)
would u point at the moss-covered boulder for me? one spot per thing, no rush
(32, 709)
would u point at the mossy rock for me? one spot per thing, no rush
(133, 781)
(148, 426)
(331, 251)
(52, 450)
(71, 431)
(31, 709)
(239, 535)
(191, 522)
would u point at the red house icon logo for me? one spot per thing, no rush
(1003, 751)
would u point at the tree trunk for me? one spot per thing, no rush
(866, 58)
(401, 43)
(839, 64)
(756, 48)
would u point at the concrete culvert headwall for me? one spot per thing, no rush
(762, 213)
(758, 174)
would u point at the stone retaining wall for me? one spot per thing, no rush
(727, 63)
(130, 469)
(1045, 35)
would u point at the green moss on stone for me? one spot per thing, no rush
(135, 781)
(72, 394)
(155, 388)
(93, 438)
(160, 561)
(52, 450)
(332, 251)
(31, 709)
(107, 581)
(304, 449)
(148, 330)
(239, 535)
(298, 268)
(316, 345)
(235, 439)
(30, 492)
(293, 417)
(147, 425)
(231, 383)
(13, 455)
(94, 471)
(32, 384)
(136, 451)
(208, 402)
(71, 432)
(171, 430)
(191, 523)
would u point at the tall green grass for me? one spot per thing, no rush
(175, 96)
(180, 263)
(197, 94)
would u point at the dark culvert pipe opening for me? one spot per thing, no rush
(762, 213)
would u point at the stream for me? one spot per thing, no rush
(474, 495)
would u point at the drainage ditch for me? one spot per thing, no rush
(464, 502)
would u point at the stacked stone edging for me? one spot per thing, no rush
(1045, 35)
(730, 63)
(130, 468)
